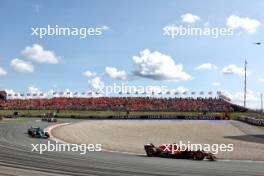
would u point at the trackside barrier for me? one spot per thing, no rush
(251, 120)
(160, 117)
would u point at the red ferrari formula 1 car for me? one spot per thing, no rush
(173, 151)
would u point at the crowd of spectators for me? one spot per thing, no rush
(119, 104)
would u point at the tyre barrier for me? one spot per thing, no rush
(251, 120)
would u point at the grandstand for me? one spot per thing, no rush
(122, 104)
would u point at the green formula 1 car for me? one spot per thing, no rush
(37, 132)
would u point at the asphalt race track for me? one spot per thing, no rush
(16, 158)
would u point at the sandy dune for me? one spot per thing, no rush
(130, 136)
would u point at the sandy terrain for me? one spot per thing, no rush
(130, 136)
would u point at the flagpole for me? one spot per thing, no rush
(245, 84)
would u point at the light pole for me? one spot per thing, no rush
(261, 101)
(245, 84)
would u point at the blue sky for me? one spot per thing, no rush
(131, 27)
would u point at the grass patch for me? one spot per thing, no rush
(77, 113)
(15, 120)
(71, 113)
(261, 127)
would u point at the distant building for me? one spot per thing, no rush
(3, 95)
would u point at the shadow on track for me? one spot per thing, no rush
(248, 138)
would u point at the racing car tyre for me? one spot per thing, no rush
(47, 134)
(199, 155)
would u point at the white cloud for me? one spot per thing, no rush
(261, 80)
(37, 8)
(12, 93)
(96, 83)
(22, 66)
(3, 72)
(158, 66)
(89, 74)
(216, 83)
(181, 90)
(33, 90)
(233, 69)
(104, 27)
(116, 74)
(253, 100)
(206, 66)
(39, 55)
(247, 24)
(50, 93)
(206, 24)
(189, 18)
(67, 93)
(36, 93)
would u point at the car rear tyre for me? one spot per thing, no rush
(47, 134)
(150, 152)
(199, 155)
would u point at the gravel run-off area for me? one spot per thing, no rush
(131, 135)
